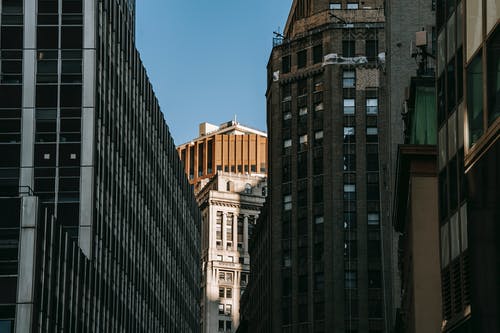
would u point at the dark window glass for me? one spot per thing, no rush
(12, 38)
(47, 37)
(318, 162)
(372, 192)
(460, 73)
(71, 96)
(440, 13)
(371, 49)
(303, 313)
(372, 157)
(12, 7)
(302, 165)
(71, 38)
(475, 99)
(374, 308)
(374, 251)
(443, 195)
(494, 76)
(8, 289)
(48, 6)
(10, 96)
(349, 220)
(286, 64)
(451, 92)
(318, 53)
(11, 214)
(374, 279)
(302, 87)
(452, 167)
(287, 169)
(348, 48)
(351, 249)
(46, 96)
(441, 100)
(68, 214)
(319, 311)
(10, 155)
(302, 59)
(72, 6)
(303, 283)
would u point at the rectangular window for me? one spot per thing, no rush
(286, 64)
(287, 202)
(318, 53)
(372, 106)
(348, 48)
(303, 111)
(371, 134)
(371, 49)
(349, 106)
(352, 5)
(349, 192)
(493, 75)
(335, 5)
(318, 138)
(475, 99)
(349, 79)
(373, 219)
(351, 279)
(349, 134)
(302, 59)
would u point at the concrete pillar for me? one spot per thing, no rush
(27, 268)
(235, 232)
(245, 234)
(224, 235)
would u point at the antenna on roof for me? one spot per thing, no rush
(235, 119)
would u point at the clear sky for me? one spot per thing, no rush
(207, 59)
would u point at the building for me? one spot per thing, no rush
(100, 227)
(468, 106)
(416, 214)
(230, 186)
(230, 147)
(329, 174)
(255, 309)
(404, 54)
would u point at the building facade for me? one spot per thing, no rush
(468, 109)
(230, 205)
(227, 166)
(329, 173)
(90, 179)
(229, 147)
(415, 215)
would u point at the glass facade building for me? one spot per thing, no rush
(468, 162)
(101, 231)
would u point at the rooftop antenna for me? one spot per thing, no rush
(235, 119)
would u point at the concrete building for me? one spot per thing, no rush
(468, 106)
(230, 186)
(229, 147)
(416, 214)
(100, 228)
(404, 54)
(329, 174)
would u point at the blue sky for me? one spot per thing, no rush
(207, 59)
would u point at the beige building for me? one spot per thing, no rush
(229, 147)
(227, 166)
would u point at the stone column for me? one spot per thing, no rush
(224, 235)
(235, 232)
(245, 234)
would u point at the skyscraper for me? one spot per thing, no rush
(230, 192)
(468, 106)
(101, 232)
(328, 175)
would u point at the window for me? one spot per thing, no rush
(286, 64)
(318, 53)
(371, 157)
(352, 5)
(335, 5)
(302, 59)
(350, 249)
(349, 220)
(303, 142)
(349, 192)
(493, 77)
(302, 87)
(372, 106)
(12, 38)
(221, 292)
(371, 134)
(374, 279)
(318, 107)
(303, 283)
(351, 279)
(229, 293)
(287, 143)
(318, 138)
(349, 79)
(302, 165)
(349, 134)
(349, 107)
(348, 48)
(287, 202)
(475, 99)
(221, 325)
(371, 49)
(228, 325)
(303, 111)
(229, 310)
(373, 218)
(221, 309)
(248, 188)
